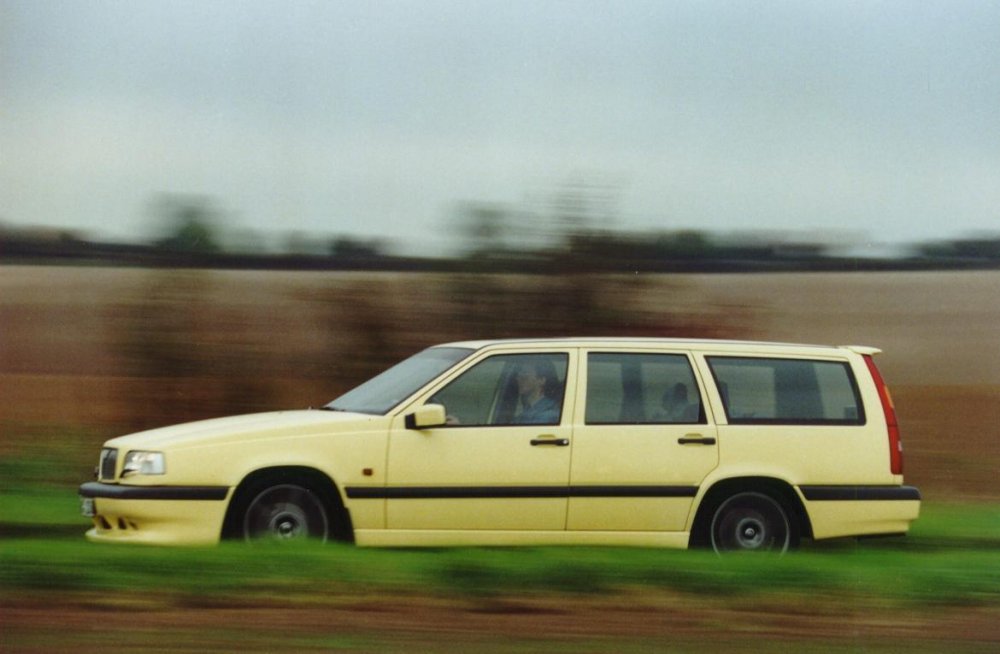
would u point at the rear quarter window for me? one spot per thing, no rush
(775, 391)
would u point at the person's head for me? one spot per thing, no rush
(536, 375)
(678, 395)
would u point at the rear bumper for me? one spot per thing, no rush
(860, 510)
(860, 493)
(156, 515)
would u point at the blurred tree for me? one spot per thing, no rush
(689, 244)
(193, 352)
(300, 243)
(584, 205)
(161, 344)
(347, 247)
(484, 229)
(188, 224)
(246, 241)
(985, 248)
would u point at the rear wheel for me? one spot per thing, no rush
(286, 512)
(752, 522)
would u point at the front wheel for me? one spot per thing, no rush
(286, 513)
(751, 522)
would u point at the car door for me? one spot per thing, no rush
(502, 462)
(643, 442)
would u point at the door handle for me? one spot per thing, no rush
(696, 439)
(558, 442)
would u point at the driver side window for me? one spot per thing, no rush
(507, 389)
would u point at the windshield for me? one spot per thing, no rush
(384, 391)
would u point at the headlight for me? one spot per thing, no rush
(144, 463)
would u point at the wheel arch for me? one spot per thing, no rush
(315, 480)
(779, 489)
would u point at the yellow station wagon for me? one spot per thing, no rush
(657, 442)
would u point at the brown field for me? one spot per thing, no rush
(95, 351)
(87, 353)
(645, 623)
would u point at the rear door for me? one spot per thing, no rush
(643, 441)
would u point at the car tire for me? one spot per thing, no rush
(286, 512)
(752, 522)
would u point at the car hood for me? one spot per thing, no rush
(255, 426)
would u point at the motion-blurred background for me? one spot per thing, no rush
(213, 208)
(93, 352)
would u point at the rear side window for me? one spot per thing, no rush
(641, 389)
(759, 391)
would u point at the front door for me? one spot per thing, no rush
(501, 462)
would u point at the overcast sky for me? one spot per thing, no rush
(379, 118)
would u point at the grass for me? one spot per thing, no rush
(237, 575)
(873, 595)
(951, 558)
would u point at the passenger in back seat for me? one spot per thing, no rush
(676, 408)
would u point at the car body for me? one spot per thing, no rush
(654, 442)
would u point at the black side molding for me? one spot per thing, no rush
(508, 492)
(120, 492)
(850, 493)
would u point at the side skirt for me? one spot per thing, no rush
(450, 538)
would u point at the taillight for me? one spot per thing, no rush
(892, 426)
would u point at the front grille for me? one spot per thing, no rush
(109, 461)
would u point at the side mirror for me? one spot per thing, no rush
(426, 416)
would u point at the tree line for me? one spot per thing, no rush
(568, 240)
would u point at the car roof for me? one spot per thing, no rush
(641, 342)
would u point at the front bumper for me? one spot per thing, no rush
(156, 515)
